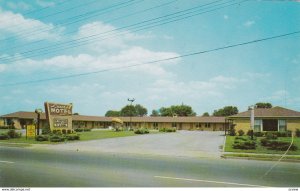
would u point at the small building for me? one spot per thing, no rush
(21, 119)
(267, 119)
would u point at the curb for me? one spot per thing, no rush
(259, 158)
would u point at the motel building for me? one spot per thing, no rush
(273, 119)
(21, 119)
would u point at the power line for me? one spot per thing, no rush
(40, 30)
(107, 21)
(34, 11)
(150, 62)
(87, 39)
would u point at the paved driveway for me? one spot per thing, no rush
(181, 143)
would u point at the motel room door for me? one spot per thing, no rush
(270, 125)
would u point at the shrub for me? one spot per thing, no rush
(56, 132)
(297, 132)
(82, 129)
(72, 137)
(232, 132)
(271, 135)
(245, 145)
(56, 138)
(167, 129)
(141, 131)
(241, 132)
(13, 134)
(277, 145)
(264, 142)
(78, 130)
(46, 131)
(4, 136)
(258, 134)
(42, 138)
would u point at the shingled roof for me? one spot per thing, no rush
(195, 119)
(270, 112)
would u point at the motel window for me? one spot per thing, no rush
(155, 124)
(198, 124)
(174, 124)
(257, 125)
(282, 125)
(207, 124)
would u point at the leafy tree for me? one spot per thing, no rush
(263, 105)
(178, 110)
(164, 111)
(205, 114)
(75, 113)
(155, 113)
(226, 111)
(112, 113)
(128, 110)
(140, 110)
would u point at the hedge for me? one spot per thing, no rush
(167, 129)
(4, 136)
(57, 138)
(13, 134)
(141, 131)
(243, 143)
(277, 145)
(42, 138)
(273, 133)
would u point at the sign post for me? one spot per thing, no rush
(59, 116)
(30, 131)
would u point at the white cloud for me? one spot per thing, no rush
(193, 89)
(18, 5)
(85, 63)
(249, 23)
(17, 25)
(279, 95)
(108, 37)
(226, 17)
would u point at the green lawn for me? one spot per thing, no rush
(84, 136)
(261, 149)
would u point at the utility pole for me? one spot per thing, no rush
(131, 100)
(252, 119)
(38, 112)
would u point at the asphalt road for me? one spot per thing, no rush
(181, 143)
(25, 167)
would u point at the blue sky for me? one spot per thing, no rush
(42, 39)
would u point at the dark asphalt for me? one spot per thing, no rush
(23, 167)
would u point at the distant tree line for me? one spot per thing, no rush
(176, 110)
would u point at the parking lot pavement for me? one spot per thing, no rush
(181, 143)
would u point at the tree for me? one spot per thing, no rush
(112, 113)
(128, 110)
(226, 111)
(263, 105)
(140, 110)
(205, 114)
(155, 113)
(75, 113)
(164, 111)
(177, 110)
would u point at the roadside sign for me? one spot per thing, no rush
(30, 131)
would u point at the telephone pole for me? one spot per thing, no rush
(131, 101)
